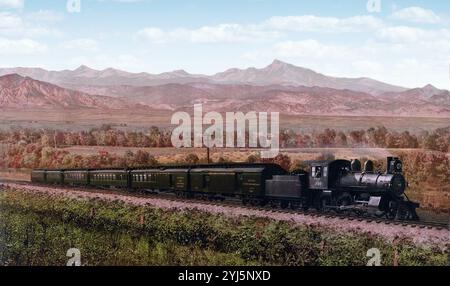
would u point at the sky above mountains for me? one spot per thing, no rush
(405, 43)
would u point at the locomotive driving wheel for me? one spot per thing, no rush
(323, 202)
(344, 200)
(392, 210)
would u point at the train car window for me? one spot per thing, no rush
(205, 180)
(325, 171)
(316, 172)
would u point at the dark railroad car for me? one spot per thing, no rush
(247, 180)
(54, 177)
(214, 180)
(76, 177)
(176, 179)
(38, 176)
(106, 178)
(145, 179)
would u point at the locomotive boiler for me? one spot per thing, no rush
(368, 181)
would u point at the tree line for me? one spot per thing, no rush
(380, 137)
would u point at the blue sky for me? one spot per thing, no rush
(405, 42)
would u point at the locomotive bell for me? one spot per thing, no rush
(368, 166)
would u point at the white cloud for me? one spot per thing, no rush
(417, 15)
(16, 4)
(152, 34)
(9, 21)
(45, 16)
(13, 25)
(223, 33)
(311, 23)
(81, 44)
(21, 47)
(405, 34)
(268, 30)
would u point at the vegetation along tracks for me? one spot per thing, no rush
(234, 203)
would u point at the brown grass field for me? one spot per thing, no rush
(136, 120)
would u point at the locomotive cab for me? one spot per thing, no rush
(323, 174)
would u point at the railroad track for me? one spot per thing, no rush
(230, 202)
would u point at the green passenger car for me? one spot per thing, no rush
(54, 177)
(76, 177)
(38, 176)
(109, 178)
(145, 179)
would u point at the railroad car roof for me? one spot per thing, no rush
(235, 169)
(174, 166)
(181, 170)
(109, 171)
(146, 170)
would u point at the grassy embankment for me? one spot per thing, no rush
(39, 229)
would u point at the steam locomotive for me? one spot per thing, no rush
(332, 185)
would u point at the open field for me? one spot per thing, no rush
(137, 120)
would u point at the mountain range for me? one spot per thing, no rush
(277, 73)
(24, 92)
(278, 87)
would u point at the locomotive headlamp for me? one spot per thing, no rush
(398, 166)
(394, 165)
